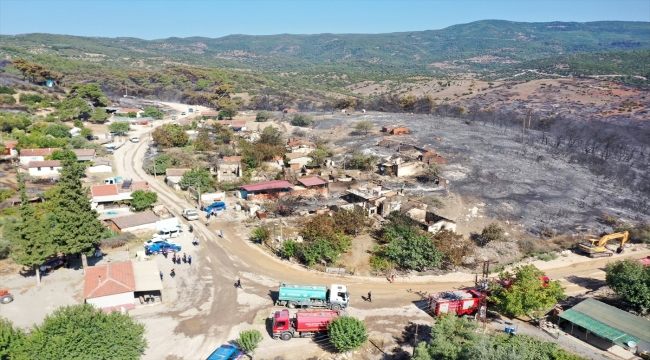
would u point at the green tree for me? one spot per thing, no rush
(319, 154)
(70, 109)
(98, 116)
(63, 154)
(162, 162)
(170, 135)
(119, 127)
(85, 132)
(271, 136)
(363, 127)
(302, 120)
(202, 142)
(152, 112)
(631, 281)
(142, 200)
(263, 116)
(360, 161)
(347, 333)
(249, 340)
(451, 338)
(261, 234)
(78, 229)
(88, 92)
(410, 248)
(11, 339)
(523, 293)
(197, 177)
(228, 112)
(30, 236)
(85, 332)
(58, 131)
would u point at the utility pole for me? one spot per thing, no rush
(198, 200)
(483, 285)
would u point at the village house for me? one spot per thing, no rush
(369, 197)
(174, 176)
(145, 220)
(44, 168)
(116, 285)
(27, 155)
(84, 154)
(229, 168)
(399, 167)
(101, 165)
(10, 147)
(297, 160)
(124, 111)
(314, 185)
(107, 195)
(429, 221)
(265, 190)
(431, 157)
(299, 145)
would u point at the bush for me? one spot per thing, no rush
(380, 264)
(547, 256)
(609, 220)
(6, 99)
(301, 120)
(547, 232)
(261, 234)
(347, 333)
(492, 232)
(631, 281)
(7, 90)
(263, 116)
(289, 249)
(29, 99)
(120, 127)
(249, 340)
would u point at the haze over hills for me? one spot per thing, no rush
(482, 45)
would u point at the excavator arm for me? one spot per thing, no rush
(597, 247)
(622, 235)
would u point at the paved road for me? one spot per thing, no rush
(222, 261)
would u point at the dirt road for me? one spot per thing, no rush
(210, 311)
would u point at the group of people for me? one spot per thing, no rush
(185, 259)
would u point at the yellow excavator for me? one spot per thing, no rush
(596, 248)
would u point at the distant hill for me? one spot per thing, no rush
(481, 45)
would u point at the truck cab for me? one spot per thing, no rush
(339, 297)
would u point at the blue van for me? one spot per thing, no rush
(226, 352)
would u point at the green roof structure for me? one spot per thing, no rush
(609, 322)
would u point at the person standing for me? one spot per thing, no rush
(189, 259)
(221, 234)
(172, 273)
(161, 275)
(191, 229)
(370, 296)
(174, 258)
(238, 283)
(184, 258)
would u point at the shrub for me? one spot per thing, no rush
(609, 220)
(547, 232)
(492, 232)
(29, 99)
(301, 120)
(547, 256)
(7, 90)
(289, 249)
(380, 264)
(249, 340)
(263, 116)
(347, 333)
(261, 234)
(630, 280)
(6, 99)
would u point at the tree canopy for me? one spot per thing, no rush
(522, 292)
(151, 111)
(170, 135)
(119, 127)
(631, 281)
(142, 200)
(58, 131)
(197, 177)
(249, 340)
(347, 333)
(84, 332)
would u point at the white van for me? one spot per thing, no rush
(135, 139)
(168, 233)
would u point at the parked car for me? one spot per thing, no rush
(156, 240)
(190, 214)
(168, 233)
(53, 264)
(174, 117)
(157, 248)
(183, 113)
(92, 137)
(134, 139)
(226, 352)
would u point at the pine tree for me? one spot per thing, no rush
(31, 241)
(77, 229)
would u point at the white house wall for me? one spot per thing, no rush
(112, 300)
(45, 171)
(24, 160)
(100, 169)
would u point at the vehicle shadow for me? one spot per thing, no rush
(273, 295)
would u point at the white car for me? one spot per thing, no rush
(157, 240)
(135, 139)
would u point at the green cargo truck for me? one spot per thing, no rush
(313, 296)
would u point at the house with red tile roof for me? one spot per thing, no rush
(107, 194)
(11, 148)
(174, 176)
(110, 286)
(27, 155)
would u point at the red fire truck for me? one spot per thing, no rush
(463, 302)
(303, 324)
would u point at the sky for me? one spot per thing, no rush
(157, 19)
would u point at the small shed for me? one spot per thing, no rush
(174, 176)
(596, 319)
(44, 168)
(399, 131)
(145, 220)
(101, 165)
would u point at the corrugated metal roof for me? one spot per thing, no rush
(609, 322)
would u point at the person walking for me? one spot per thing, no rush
(161, 275)
(184, 258)
(189, 260)
(370, 296)
(191, 229)
(221, 233)
(238, 284)
(174, 258)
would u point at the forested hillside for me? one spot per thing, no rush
(478, 45)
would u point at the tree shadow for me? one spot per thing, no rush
(588, 283)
